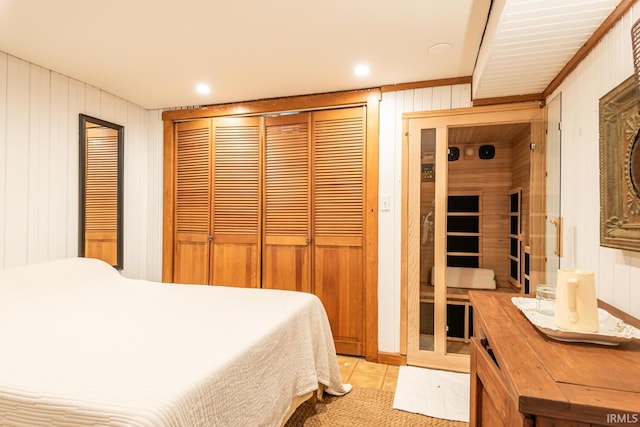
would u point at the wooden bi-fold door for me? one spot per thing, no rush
(217, 211)
(286, 259)
(235, 218)
(338, 152)
(192, 246)
(314, 214)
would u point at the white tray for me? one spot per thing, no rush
(613, 331)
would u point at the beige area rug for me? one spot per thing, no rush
(362, 407)
(432, 392)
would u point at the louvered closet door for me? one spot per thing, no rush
(193, 196)
(287, 231)
(338, 222)
(101, 190)
(236, 201)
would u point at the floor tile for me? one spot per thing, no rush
(366, 380)
(389, 383)
(370, 368)
(392, 371)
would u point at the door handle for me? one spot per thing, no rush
(557, 222)
(308, 240)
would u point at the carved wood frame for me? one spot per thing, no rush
(619, 202)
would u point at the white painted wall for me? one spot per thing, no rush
(617, 271)
(39, 168)
(392, 106)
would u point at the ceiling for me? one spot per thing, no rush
(154, 52)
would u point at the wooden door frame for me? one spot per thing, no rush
(367, 97)
(523, 112)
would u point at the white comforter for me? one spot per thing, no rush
(80, 345)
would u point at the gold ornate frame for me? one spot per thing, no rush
(619, 201)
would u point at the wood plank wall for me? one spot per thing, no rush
(521, 170)
(492, 178)
(39, 168)
(608, 64)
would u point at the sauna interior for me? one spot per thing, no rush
(487, 216)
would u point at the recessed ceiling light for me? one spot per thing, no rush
(440, 49)
(362, 70)
(203, 88)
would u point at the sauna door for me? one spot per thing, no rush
(426, 166)
(436, 176)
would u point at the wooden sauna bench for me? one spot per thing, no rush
(458, 297)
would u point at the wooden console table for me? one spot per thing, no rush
(521, 377)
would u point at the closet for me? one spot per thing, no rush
(313, 224)
(279, 199)
(217, 201)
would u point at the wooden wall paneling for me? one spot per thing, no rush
(287, 203)
(193, 199)
(17, 163)
(76, 102)
(492, 178)
(136, 209)
(404, 240)
(154, 242)
(39, 161)
(338, 222)
(521, 176)
(236, 201)
(537, 206)
(168, 200)
(60, 139)
(371, 173)
(39, 99)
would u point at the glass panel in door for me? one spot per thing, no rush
(427, 225)
(553, 239)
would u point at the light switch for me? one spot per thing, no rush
(385, 203)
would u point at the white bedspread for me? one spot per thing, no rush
(80, 344)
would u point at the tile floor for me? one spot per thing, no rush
(360, 373)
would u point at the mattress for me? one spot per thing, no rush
(83, 345)
(470, 278)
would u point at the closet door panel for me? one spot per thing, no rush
(287, 231)
(192, 251)
(234, 262)
(193, 196)
(338, 273)
(338, 222)
(236, 201)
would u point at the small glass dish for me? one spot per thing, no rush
(546, 299)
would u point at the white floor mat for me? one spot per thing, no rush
(438, 394)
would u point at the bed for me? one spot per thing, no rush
(81, 344)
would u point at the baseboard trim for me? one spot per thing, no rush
(395, 359)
